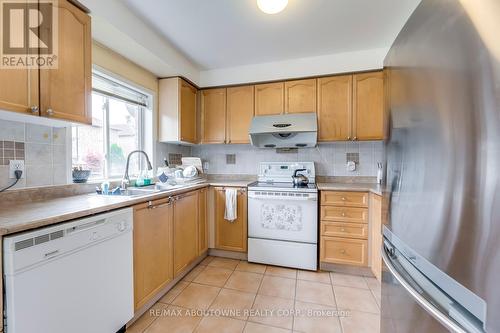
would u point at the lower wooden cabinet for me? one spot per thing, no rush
(338, 250)
(185, 230)
(152, 249)
(202, 221)
(376, 235)
(230, 236)
(341, 229)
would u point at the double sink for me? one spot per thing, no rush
(133, 192)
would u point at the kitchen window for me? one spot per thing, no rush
(118, 113)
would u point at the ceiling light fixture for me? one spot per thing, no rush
(272, 6)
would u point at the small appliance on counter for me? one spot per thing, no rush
(283, 215)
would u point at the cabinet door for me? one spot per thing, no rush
(213, 105)
(334, 108)
(240, 109)
(368, 106)
(231, 236)
(66, 91)
(347, 251)
(19, 90)
(202, 221)
(300, 96)
(269, 99)
(152, 249)
(187, 122)
(185, 230)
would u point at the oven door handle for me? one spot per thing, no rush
(266, 198)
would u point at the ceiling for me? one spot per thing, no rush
(226, 33)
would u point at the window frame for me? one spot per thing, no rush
(141, 119)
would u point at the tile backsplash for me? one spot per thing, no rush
(330, 158)
(43, 149)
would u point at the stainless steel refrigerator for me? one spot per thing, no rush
(441, 246)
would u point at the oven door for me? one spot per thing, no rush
(281, 215)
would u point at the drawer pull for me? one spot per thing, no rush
(342, 251)
(342, 229)
(343, 198)
(343, 214)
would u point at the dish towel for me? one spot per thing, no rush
(231, 205)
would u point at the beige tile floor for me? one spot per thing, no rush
(227, 295)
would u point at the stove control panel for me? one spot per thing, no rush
(283, 171)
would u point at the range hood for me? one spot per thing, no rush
(284, 131)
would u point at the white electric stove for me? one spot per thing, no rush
(283, 218)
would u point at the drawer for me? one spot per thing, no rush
(346, 199)
(344, 214)
(349, 230)
(346, 251)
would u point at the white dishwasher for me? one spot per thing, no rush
(73, 277)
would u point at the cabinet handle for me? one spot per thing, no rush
(50, 112)
(342, 251)
(355, 138)
(34, 109)
(343, 199)
(348, 138)
(342, 229)
(168, 203)
(343, 214)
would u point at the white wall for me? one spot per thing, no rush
(330, 158)
(293, 68)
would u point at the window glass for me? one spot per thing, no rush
(116, 131)
(88, 141)
(123, 137)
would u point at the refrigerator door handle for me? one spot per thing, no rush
(390, 256)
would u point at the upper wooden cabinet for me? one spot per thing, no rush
(19, 90)
(177, 111)
(240, 111)
(351, 107)
(334, 108)
(213, 116)
(185, 230)
(269, 99)
(66, 91)
(368, 106)
(300, 96)
(152, 249)
(63, 92)
(230, 235)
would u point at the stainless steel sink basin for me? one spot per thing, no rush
(132, 192)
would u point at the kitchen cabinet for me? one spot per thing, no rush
(185, 224)
(230, 236)
(269, 99)
(344, 228)
(240, 111)
(213, 115)
(152, 249)
(177, 111)
(368, 106)
(63, 92)
(202, 222)
(351, 107)
(346, 251)
(19, 90)
(300, 96)
(376, 234)
(335, 108)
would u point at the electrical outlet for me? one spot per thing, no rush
(16, 165)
